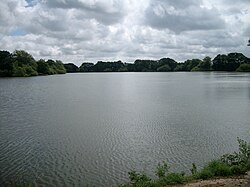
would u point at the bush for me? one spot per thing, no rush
(139, 179)
(214, 168)
(170, 179)
(240, 158)
(161, 170)
(244, 68)
(204, 174)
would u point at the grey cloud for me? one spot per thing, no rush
(188, 16)
(105, 12)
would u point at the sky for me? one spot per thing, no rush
(80, 31)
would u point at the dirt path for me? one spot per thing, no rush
(241, 181)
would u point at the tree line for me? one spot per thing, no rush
(21, 64)
(222, 62)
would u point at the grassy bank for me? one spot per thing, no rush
(237, 163)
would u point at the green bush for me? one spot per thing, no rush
(173, 178)
(204, 174)
(244, 68)
(161, 170)
(139, 179)
(240, 158)
(237, 170)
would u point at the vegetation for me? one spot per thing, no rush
(71, 68)
(230, 62)
(22, 64)
(228, 165)
(243, 68)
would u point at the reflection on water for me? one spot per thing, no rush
(78, 129)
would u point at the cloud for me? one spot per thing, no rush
(105, 11)
(91, 30)
(178, 16)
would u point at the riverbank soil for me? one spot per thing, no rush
(236, 181)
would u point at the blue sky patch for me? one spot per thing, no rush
(18, 32)
(31, 3)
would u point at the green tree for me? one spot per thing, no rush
(24, 64)
(206, 63)
(229, 62)
(190, 64)
(164, 68)
(243, 68)
(167, 61)
(43, 67)
(71, 68)
(86, 67)
(6, 63)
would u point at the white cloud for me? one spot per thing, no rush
(92, 30)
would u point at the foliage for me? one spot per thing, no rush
(227, 165)
(22, 64)
(229, 62)
(161, 170)
(71, 68)
(204, 65)
(243, 68)
(193, 169)
(139, 179)
(217, 168)
(241, 159)
(171, 178)
(164, 68)
(86, 67)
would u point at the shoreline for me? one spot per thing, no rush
(232, 181)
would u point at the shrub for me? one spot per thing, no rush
(204, 174)
(139, 179)
(193, 169)
(173, 178)
(161, 170)
(240, 158)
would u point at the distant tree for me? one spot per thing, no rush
(24, 64)
(130, 67)
(146, 65)
(6, 63)
(248, 42)
(43, 67)
(244, 68)
(190, 64)
(164, 68)
(180, 67)
(206, 63)
(86, 67)
(24, 58)
(229, 62)
(168, 61)
(71, 68)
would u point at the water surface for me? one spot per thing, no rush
(78, 129)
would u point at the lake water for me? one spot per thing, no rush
(77, 129)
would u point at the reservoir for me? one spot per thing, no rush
(93, 128)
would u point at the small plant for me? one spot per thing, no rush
(204, 174)
(227, 165)
(240, 158)
(193, 169)
(161, 170)
(139, 179)
(173, 178)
